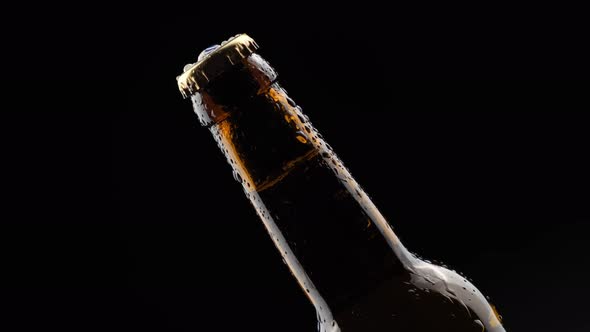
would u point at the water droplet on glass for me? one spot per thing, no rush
(302, 117)
(301, 137)
(187, 67)
(207, 51)
(291, 102)
(480, 324)
(237, 176)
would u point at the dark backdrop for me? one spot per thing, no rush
(463, 125)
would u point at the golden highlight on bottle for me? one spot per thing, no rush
(343, 253)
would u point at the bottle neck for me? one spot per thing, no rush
(328, 231)
(269, 137)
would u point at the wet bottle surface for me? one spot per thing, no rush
(340, 249)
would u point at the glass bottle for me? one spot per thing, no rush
(340, 249)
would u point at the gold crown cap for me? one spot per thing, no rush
(213, 61)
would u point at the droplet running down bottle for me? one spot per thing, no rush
(338, 246)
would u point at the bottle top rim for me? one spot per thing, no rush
(195, 77)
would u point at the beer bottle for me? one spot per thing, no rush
(340, 249)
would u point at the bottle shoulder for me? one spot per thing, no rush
(425, 297)
(451, 286)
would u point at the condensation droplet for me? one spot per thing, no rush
(187, 66)
(207, 51)
(291, 102)
(302, 117)
(480, 324)
(301, 137)
(237, 176)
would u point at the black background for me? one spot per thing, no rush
(462, 123)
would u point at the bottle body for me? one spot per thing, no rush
(340, 249)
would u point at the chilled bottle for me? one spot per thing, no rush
(340, 249)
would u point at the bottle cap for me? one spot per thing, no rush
(214, 61)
